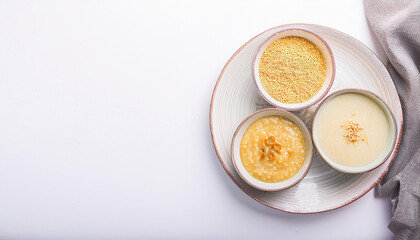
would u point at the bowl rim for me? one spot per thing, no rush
(307, 136)
(387, 111)
(293, 107)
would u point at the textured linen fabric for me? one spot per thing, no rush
(397, 26)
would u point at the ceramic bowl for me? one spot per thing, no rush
(389, 145)
(317, 41)
(236, 158)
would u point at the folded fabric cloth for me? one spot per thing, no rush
(397, 26)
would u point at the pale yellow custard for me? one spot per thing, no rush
(272, 149)
(351, 129)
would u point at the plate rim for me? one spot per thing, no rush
(277, 207)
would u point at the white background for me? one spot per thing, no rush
(104, 121)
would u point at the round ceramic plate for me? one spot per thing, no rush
(235, 97)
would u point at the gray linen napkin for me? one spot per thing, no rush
(397, 26)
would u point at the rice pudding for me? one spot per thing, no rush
(272, 149)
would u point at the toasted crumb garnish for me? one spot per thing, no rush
(292, 69)
(352, 134)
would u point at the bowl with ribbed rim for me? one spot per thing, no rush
(235, 97)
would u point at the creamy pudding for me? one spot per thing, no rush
(351, 129)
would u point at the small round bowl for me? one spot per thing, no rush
(317, 41)
(236, 157)
(389, 145)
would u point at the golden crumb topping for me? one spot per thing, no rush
(292, 69)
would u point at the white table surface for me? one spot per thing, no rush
(104, 112)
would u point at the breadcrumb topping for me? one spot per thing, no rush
(352, 134)
(292, 70)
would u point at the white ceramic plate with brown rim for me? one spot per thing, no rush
(235, 97)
